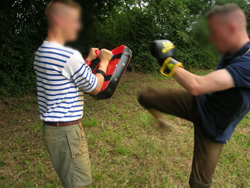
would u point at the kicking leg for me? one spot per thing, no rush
(163, 124)
(177, 102)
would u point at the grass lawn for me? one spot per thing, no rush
(126, 147)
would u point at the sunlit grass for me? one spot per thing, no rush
(127, 149)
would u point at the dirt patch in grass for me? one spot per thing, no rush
(127, 149)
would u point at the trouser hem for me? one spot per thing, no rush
(78, 184)
(194, 183)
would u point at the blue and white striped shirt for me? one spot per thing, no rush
(62, 78)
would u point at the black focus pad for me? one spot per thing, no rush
(162, 49)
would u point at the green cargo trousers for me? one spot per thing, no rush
(180, 103)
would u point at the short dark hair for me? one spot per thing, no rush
(69, 3)
(222, 10)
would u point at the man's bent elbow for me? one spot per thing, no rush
(96, 92)
(194, 90)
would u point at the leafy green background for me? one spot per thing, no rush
(107, 23)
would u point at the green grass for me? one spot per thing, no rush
(127, 149)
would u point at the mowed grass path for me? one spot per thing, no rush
(126, 147)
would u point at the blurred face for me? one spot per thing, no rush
(70, 23)
(220, 34)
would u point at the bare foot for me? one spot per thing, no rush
(163, 124)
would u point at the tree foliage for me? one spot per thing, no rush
(137, 23)
(23, 28)
(107, 23)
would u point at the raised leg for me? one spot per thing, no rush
(182, 104)
(177, 102)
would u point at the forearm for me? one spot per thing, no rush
(100, 79)
(219, 80)
(164, 52)
(90, 59)
(189, 81)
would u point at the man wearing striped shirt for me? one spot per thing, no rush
(62, 78)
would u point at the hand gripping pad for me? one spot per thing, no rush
(117, 66)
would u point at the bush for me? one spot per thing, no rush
(22, 30)
(137, 26)
(108, 23)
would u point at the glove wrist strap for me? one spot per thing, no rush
(169, 66)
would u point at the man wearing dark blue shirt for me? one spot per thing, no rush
(215, 103)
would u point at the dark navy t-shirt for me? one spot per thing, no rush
(222, 111)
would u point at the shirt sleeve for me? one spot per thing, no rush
(80, 73)
(240, 73)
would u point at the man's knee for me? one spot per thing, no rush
(141, 98)
(194, 183)
(144, 98)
